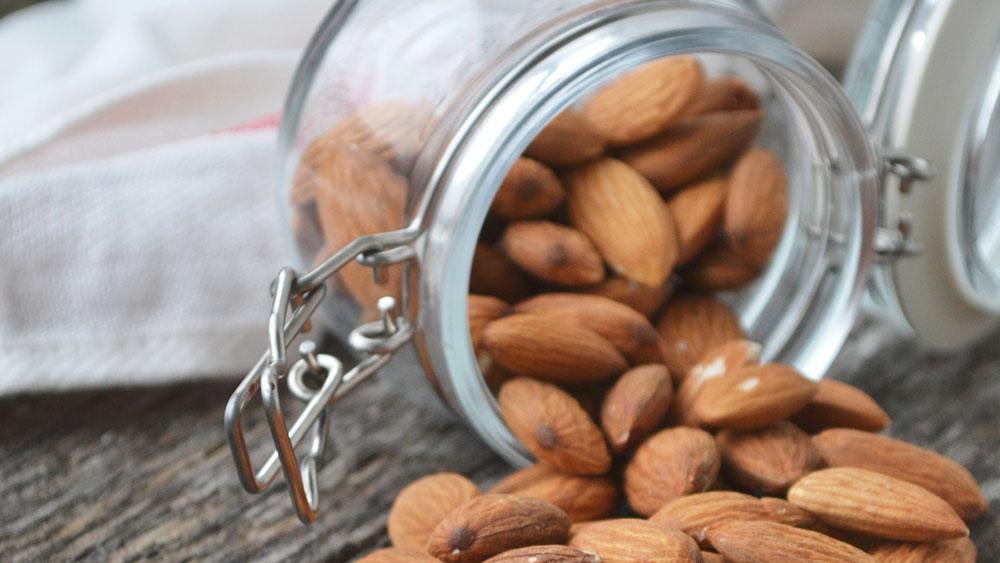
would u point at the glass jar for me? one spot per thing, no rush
(450, 92)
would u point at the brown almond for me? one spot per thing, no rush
(398, 555)
(636, 405)
(492, 524)
(841, 405)
(697, 212)
(629, 331)
(718, 268)
(546, 348)
(755, 541)
(529, 190)
(494, 274)
(422, 504)
(627, 540)
(756, 206)
(671, 463)
(960, 550)
(695, 514)
(946, 478)
(625, 218)
(716, 363)
(643, 298)
(484, 309)
(553, 253)
(690, 326)
(553, 426)
(712, 557)
(726, 93)
(767, 460)
(753, 397)
(581, 497)
(693, 147)
(644, 101)
(394, 131)
(568, 139)
(546, 554)
(876, 505)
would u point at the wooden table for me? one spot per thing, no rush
(146, 474)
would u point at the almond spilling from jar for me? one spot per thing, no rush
(625, 540)
(422, 504)
(581, 497)
(671, 463)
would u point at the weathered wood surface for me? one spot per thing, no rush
(146, 474)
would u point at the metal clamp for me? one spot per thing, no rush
(894, 241)
(295, 300)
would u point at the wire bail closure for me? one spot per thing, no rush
(295, 300)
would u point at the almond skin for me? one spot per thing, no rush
(539, 346)
(769, 459)
(643, 102)
(625, 218)
(553, 253)
(553, 426)
(529, 190)
(636, 405)
(484, 309)
(697, 212)
(422, 504)
(946, 478)
(756, 206)
(695, 514)
(726, 93)
(492, 524)
(629, 331)
(757, 541)
(717, 362)
(876, 505)
(960, 550)
(626, 540)
(581, 498)
(718, 268)
(545, 554)
(753, 397)
(643, 298)
(570, 138)
(398, 555)
(690, 326)
(671, 463)
(494, 274)
(712, 557)
(841, 405)
(693, 147)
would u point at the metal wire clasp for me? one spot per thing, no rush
(295, 300)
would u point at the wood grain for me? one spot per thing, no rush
(142, 474)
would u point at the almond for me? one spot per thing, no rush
(695, 514)
(753, 397)
(756, 206)
(568, 139)
(718, 268)
(492, 524)
(394, 131)
(398, 555)
(726, 93)
(529, 190)
(753, 541)
(494, 274)
(693, 147)
(716, 363)
(625, 218)
(553, 426)
(769, 459)
(626, 540)
(944, 477)
(629, 331)
(546, 554)
(838, 404)
(539, 346)
(582, 498)
(553, 253)
(484, 309)
(642, 102)
(643, 298)
(876, 505)
(697, 212)
(673, 462)
(422, 504)
(690, 326)
(636, 405)
(712, 557)
(960, 550)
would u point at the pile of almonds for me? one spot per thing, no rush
(659, 434)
